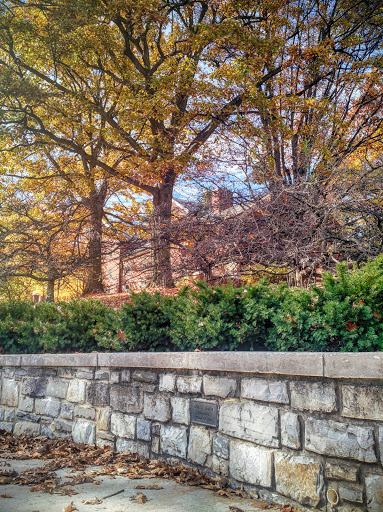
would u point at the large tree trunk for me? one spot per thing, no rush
(50, 290)
(161, 232)
(94, 282)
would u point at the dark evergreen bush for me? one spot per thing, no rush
(345, 314)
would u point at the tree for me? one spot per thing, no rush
(162, 77)
(40, 237)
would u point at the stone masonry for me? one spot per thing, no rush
(291, 437)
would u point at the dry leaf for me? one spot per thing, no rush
(5, 496)
(236, 509)
(262, 505)
(70, 508)
(93, 501)
(142, 499)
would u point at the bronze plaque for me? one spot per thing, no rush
(205, 413)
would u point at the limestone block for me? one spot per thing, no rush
(144, 376)
(189, 384)
(221, 446)
(46, 431)
(26, 403)
(290, 430)
(125, 399)
(180, 409)
(47, 407)
(265, 390)
(26, 428)
(98, 394)
(199, 445)
(167, 382)
(349, 508)
(85, 412)
(220, 466)
(354, 494)
(7, 415)
(125, 445)
(313, 396)
(340, 440)
(123, 425)
(10, 393)
(156, 407)
(34, 387)
(250, 464)
(299, 478)
(57, 388)
(143, 429)
(156, 445)
(28, 416)
(374, 490)
(249, 421)
(103, 420)
(63, 426)
(362, 402)
(66, 411)
(101, 375)
(103, 439)
(125, 376)
(174, 440)
(114, 377)
(219, 386)
(338, 471)
(76, 391)
(84, 432)
(84, 374)
(6, 426)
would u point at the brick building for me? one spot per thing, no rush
(125, 269)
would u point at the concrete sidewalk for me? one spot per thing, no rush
(173, 497)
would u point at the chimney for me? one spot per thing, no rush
(218, 200)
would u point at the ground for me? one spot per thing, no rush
(42, 475)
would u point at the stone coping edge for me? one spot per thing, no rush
(341, 365)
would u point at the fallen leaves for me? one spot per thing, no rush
(70, 508)
(289, 508)
(5, 496)
(139, 498)
(262, 505)
(64, 453)
(92, 501)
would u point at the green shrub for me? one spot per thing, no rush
(204, 318)
(144, 323)
(17, 334)
(345, 314)
(79, 325)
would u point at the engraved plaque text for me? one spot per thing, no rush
(205, 413)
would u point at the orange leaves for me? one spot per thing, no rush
(351, 326)
(70, 508)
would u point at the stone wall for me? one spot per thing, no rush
(289, 425)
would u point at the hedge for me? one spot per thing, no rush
(344, 314)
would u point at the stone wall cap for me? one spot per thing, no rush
(338, 365)
(10, 360)
(58, 360)
(353, 365)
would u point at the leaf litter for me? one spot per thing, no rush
(65, 453)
